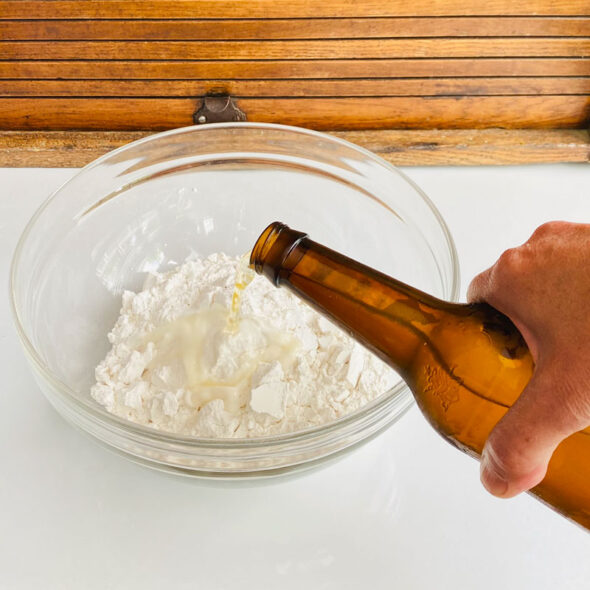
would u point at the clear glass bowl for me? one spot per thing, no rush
(148, 205)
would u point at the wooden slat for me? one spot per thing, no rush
(400, 147)
(298, 88)
(353, 68)
(332, 114)
(51, 149)
(314, 49)
(330, 28)
(474, 147)
(59, 9)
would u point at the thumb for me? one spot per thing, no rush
(518, 449)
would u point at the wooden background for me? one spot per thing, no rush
(70, 67)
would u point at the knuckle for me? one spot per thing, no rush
(479, 286)
(509, 264)
(575, 403)
(549, 228)
(579, 409)
(509, 459)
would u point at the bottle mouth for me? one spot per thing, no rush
(271, 252)
(263, 245)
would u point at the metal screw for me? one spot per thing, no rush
(202, 119)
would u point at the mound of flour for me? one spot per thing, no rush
(175, 366)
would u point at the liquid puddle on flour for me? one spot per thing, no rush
(218, 350)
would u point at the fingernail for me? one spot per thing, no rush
(490, 478)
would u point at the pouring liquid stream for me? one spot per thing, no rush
(244, 276)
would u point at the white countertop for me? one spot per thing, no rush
(404, 511)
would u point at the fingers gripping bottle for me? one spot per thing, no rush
(466, 364)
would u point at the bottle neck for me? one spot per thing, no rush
(389, 317)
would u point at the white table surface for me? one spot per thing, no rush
(404, 511)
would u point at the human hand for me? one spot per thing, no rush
(543, 286)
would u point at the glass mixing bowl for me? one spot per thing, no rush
(149, 204)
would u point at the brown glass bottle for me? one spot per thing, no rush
(465, 364)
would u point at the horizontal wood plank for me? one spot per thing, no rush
(434, 147)
(60, 9)
(400, 147)
(353, 68)
(327, 28)
(327, 114)
(296, 49)
(70, 149)
(298, 88)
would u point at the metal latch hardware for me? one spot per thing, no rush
(218, 108)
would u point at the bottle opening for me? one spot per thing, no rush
(263, 244)
(272, 248)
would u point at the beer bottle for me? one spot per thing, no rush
(466, 364)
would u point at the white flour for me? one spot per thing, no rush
(176, 366)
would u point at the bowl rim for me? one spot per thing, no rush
(92, 410)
